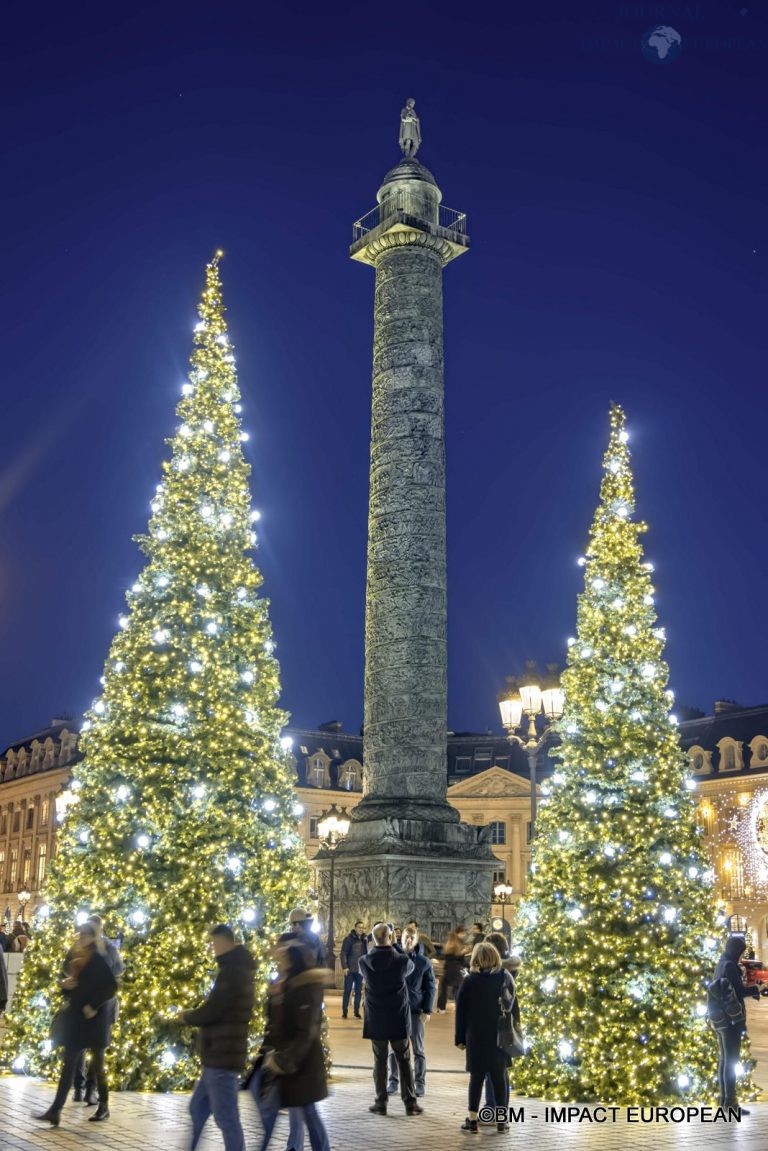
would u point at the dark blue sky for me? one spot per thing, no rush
(617, 210)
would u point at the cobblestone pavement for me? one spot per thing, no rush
(142, 1122)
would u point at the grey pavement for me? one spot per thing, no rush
(142, 1121)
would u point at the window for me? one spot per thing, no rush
(316, 772)
(42, 851)
(351, 776)
(13, 869)
(313, 822)
(498, 831)
(528, 832)
(729, 758)
(44, 811)
(26, 871)
(733, 876)
(4, 824)
(17, 821)
(483, 758)
(30, 818)
(499, 877)
(501, 761)
(463, 763)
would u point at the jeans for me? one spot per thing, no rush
(497, 1075)
(66, 1079)
(729, 1043)
(216, 1094)
(490, 1094)
(269, 1109)
(402, 1050)
(352, 979)
(419, 1058)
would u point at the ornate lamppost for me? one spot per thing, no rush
(530, 701)
(502, 894)
(332, 826)
(23, 897)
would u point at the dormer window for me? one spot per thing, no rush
(759, 749)
(731, 758)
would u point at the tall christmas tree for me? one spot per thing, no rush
(618, 930)
(182, 812)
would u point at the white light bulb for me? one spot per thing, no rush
(670, 812)
(211, 627)
(618, 603)
(234, 864)
(591, 797)
(586, 652)
(244, 437)
(674, 720)
(198, 791)
(200, 327)
(86, 725)
(227, 520)
(222, 339)
(138, 917)
(648, 600)
(622, 511)
(253, 538)
(614, 466)
(160, 635)
(187, 389)
(99, 707)
(623, 436)
(601, 705)
(617, 685)
(179, 710)
(203, 590)
(648, 670)
(162, 534)
(701, 1010)
(84, 835)
(269, 804)
(575, 913)
(242, 592)
(248, 915)
(185, 431)
(255, 516)
(298, 809)
(670, 914)
(123, 793)
(548, 985)
(581, 561)
(81, 917)
(136, 587)
(167, 1059)
(208, 426)
(118, 665)
(565, 1049)
(609, 850)
(638, 776)
(225, 456)
(182, 464)
(598, 584)
(572, 729)
(195, 666)
(206, 511)
(286, 742)
(238, 408)
(44, 911)
(563, 835)
(665, 858)
(269, 646)
(630, 629)
(690, 784)
(247, 676)
(142, 840)
(693, 872)
(649, 566)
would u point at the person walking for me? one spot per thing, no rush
(454, 962)
(223, 1020)
(353, 948)
(300, 922)
(3, 981)
(477, 935)
(293, 1068)
(85, 1085)
(84, 1023)
(421, 995)
(387, 1016)
(510, 963)
(477, 1020)
(730, 1034)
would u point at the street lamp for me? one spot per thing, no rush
(23, 897)
(503, 895)
(332, 826)
(530, 700)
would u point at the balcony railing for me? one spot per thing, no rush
(410, 205)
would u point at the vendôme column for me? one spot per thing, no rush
(406, 848)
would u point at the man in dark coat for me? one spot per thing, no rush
(3, 982)
(223, 1020)
(422, 990)
(300, 922)
(353, 949)
(388, 1016)
(729, 1040)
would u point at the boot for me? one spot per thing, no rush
(102, 1112)
(378, 1109)
(49, 1116)
(91, 1097)
(78, 1095)
(414, 1109)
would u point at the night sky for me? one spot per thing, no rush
(617, 212)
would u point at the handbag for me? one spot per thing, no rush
(508, 1038)
(59, 1027)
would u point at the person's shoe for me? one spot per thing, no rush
(358, 1015)
(49, 1116)
(378, 1109)
(502, 1128)
(470, 1125)
(414, 1109)
(343, 1015)
(102, 1112)
(91, 1098)
(744, 1111)
(78, 1096)
(392, 1088)
(420, 1092)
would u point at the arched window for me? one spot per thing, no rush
(351, 776)
(759, 749)
(730, 754)
(498, 831)
(316, 772)
(700, 759)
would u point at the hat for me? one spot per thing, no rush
(299, 915)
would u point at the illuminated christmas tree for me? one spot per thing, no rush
(182, 812)
(618, 929)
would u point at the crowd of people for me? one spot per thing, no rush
(389, 979)
(14, 938)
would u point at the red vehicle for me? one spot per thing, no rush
(755, 975)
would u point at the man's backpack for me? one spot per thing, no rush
(724, 1008)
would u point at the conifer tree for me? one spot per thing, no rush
(618, 930)
(182, 812)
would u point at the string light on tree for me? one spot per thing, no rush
(147, 849)
(628, 909)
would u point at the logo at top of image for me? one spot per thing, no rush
(662, 44)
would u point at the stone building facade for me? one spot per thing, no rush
(487, 785)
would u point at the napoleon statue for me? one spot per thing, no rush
(410, 129)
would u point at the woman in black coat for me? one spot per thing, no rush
(477, 1020)
(293, 1070)
(85, 1023)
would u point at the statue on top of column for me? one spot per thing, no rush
(410, 129)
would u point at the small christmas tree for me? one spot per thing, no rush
(182, 812)
(618, 929)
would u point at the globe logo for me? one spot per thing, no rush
(662, 44)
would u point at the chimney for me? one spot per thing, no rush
(724, 706)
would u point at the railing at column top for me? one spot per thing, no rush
(447, 218)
